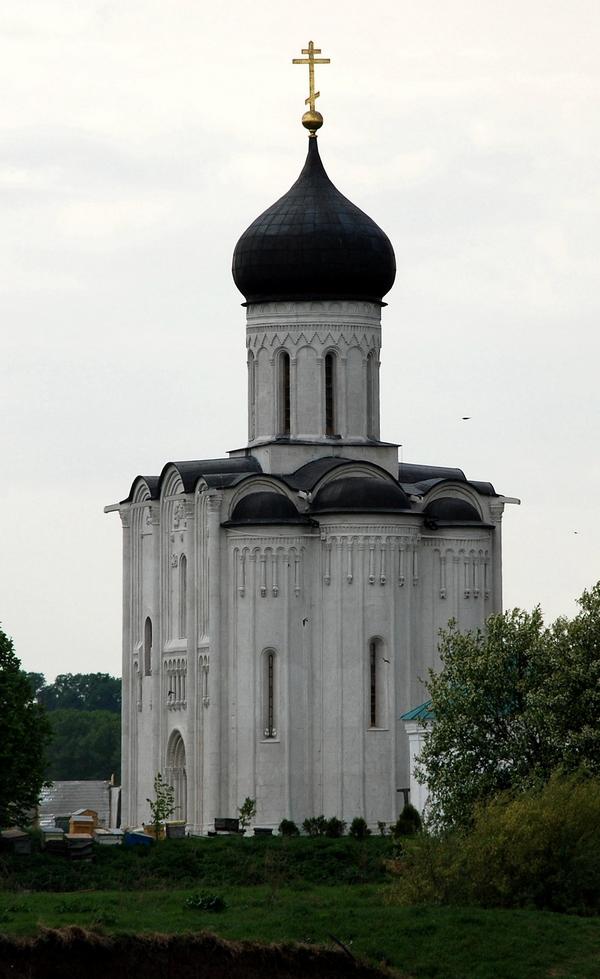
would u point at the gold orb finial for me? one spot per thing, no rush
(311, 120)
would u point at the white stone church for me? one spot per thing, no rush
(280, 605)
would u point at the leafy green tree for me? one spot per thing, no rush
(86, 744)
(570, 700)
(162, 806)
(82, 691)
(38, 682)
(513, 704)
(247, 812)
(24, 734)
(484, 738)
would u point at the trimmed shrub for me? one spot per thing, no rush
(287, 827)
(315, 826)
(359, 829)
(408, 822)
(534, 849)
(335, 827)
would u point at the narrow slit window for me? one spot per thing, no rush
(148, 647)
(373, 684)
(284, 394)
(251, 395)
(183, 597)
(371, 433)
(270, 730)
(330, 394)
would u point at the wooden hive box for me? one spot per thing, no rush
(82, 824)
(86, 812)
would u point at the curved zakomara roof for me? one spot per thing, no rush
(312, 475)
(448, 511)
(266, 507)
(420, 480)
(219, 473)
(360, 494)
(335, 483)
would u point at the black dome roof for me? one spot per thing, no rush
(360, 493)
(448, 509)
(266, 508)
(313, 243)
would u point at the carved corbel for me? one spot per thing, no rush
(442, 575)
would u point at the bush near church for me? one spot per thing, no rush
(539, 849)
(512, 704)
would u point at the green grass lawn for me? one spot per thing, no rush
(449, 943)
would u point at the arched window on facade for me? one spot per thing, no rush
(251, 395)
(284, 407)
(330, 394)
(377, 684)
(269, 693)
(371, 396)
(148, 647)
(182, 597)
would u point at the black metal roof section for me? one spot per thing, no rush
(266, 508)
(311, 472)
(359, 494)
(409, 472)
(313, 243)
(217, 472)
(420, 479)
(451, 511)
(152, 482)
(191, 472)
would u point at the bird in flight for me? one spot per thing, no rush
(466, 418)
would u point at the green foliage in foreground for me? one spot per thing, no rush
(445, 943)
(512, 704)
(24, 734)
(85, 744)
(206, 863)
(532, 849)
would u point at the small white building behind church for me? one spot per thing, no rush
(281, 605)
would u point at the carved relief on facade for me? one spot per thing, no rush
(137, 677)
(275, 564)
(342, 338)
(387, 552)
(180, 515)
(175, 679)
(203, 671)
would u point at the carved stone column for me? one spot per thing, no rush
(496, 511)
(212, 721)
(129, 693)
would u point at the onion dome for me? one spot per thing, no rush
(449, 510)
(313, 243)
(360, 493)
(265, 508)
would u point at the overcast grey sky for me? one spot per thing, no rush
(139, 139)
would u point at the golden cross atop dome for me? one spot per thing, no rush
(311, 120)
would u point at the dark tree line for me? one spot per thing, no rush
(78, 691)
(84, 713)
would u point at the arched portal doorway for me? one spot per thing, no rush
(175, 773)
